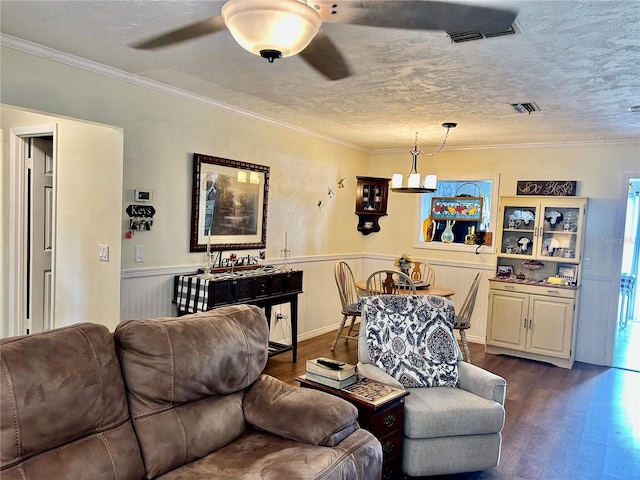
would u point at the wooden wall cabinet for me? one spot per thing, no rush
(371, 202)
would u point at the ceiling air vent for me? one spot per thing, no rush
(459, 37)
(525, 107)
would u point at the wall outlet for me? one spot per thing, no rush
(139, 253)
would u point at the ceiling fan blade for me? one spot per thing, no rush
(415, 15)
(323, 55)
(194, 30)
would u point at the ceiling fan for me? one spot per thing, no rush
(282, 28)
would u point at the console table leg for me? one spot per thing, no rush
(294, 328)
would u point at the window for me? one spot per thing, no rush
(466, 203)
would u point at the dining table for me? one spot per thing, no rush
(438, 290)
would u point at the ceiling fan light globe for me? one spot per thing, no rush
(286, 26)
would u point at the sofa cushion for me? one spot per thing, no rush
(448, 412)
(64, 408)
(410, 337)
(258, 455)
(185, 379)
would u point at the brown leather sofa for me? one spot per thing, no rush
(172, 398)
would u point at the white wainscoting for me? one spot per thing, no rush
(592, 313)
(148, 293)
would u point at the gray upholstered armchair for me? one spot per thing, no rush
(455, 412)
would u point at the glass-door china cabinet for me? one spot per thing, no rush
(533, 297)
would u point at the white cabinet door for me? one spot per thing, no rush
(549, 326)
(506, 322)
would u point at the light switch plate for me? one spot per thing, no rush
(139, 253)
(103, 253)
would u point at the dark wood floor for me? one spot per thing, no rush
(578, 424)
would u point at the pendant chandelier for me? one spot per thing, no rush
(412, 183)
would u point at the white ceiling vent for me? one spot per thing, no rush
(525, 107)
(459, 37)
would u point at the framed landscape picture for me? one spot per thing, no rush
(228, 205)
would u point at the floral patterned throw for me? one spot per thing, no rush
(410, 337)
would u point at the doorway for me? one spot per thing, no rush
(32, 233)
(627, 338)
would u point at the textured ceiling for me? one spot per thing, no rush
(579, 61)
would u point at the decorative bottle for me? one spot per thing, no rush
(447, 235)
(469, 238)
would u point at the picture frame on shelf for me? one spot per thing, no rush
(228, 204)
(505, 271)
(568, 272)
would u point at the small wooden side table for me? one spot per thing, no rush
(384, 419)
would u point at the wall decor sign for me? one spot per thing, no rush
(140, 217)
(547, 188)
(457, 208)
(228, 204)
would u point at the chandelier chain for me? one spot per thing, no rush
(444, 142)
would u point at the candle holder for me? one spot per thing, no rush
(285, 254)
(208, 265)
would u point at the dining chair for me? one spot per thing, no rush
(463, 318)
(389, 282)
(349, 300)
(423, 272)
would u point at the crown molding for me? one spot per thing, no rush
(48, 53)
(525, 146)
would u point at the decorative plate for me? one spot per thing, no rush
(550, 245)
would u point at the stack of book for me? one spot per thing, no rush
(331, 373)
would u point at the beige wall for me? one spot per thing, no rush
(88, 184)
(599, 170)
(161, 132)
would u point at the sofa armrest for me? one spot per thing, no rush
(482, 382)
(300, 414)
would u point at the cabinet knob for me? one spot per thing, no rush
(389, 420)
(387, 447)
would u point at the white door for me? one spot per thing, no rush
(40, 221)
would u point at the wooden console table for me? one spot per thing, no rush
(192, 293)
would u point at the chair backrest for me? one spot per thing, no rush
(423, 272)
(389, 282)
(410, 316)
(346, 287)
(178, 370)
(463, 318)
